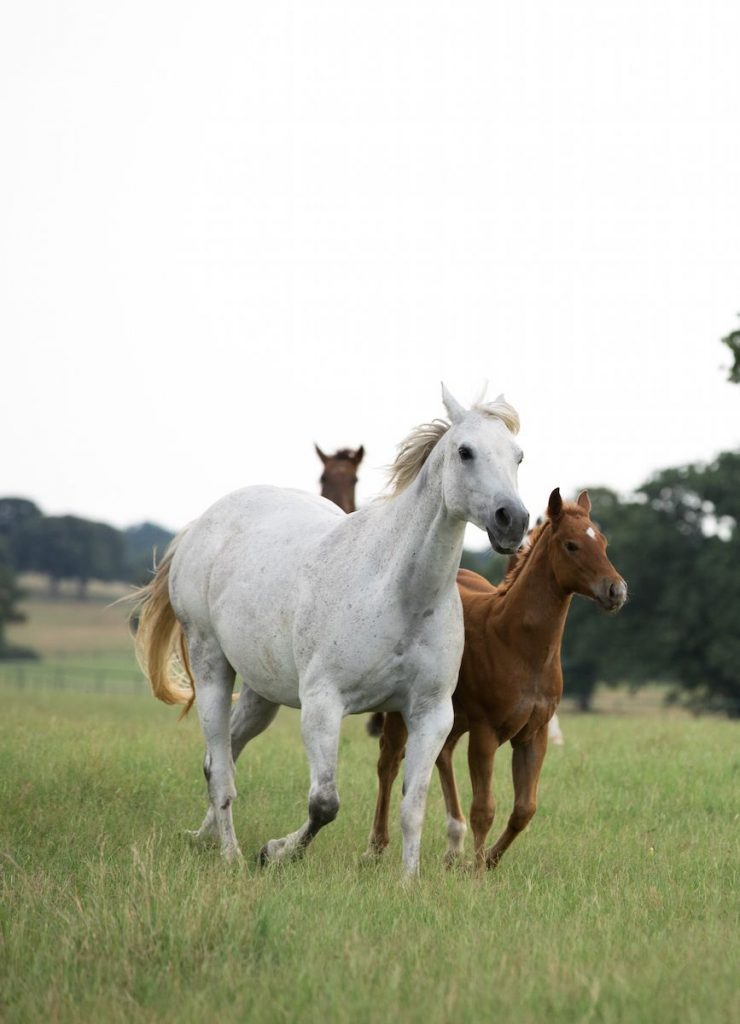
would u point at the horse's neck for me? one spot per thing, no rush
(535, 607)
(421, 541)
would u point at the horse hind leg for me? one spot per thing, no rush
(456, 827)
(321, 720)
(250, 716)
(392, 744)
(214, 684)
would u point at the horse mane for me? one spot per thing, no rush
(522, 556)
(416, 448)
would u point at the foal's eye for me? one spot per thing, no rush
(570, 546)
(465, 453)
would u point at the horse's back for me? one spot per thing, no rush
(471, 582)
(235, 568)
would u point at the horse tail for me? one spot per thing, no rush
(160, 641)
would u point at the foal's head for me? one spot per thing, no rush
(578, 553)
(340, 476)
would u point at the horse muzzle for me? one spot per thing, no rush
(611, 594)
(508, 527)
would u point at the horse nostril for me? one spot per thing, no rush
(616, 591)
(502, 517)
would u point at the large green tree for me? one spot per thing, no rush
(732, 340)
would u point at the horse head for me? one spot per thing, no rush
(578, 553)
(340, 476)
(480, 471)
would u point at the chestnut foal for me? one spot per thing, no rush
(511, 679)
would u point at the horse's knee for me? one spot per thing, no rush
(323, 806)
(522, 815)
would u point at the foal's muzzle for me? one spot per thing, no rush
(508, 527)
(612, 594)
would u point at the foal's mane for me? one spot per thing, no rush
(416, 448)
(570, 508)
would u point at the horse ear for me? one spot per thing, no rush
(359, 455)
(454, 410)
(584, 501)
(555, 504)
(324, 458)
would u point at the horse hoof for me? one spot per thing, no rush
(232, 855)
(276, 850)
(371, 856)
(200, 840)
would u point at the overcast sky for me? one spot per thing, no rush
(230, 230)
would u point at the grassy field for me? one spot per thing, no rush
(620, 903)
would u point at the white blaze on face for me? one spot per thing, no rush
(591, 532)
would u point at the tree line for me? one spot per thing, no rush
(67, 548)
(675, 540)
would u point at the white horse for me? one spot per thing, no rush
(332, 614)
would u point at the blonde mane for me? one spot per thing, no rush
(416, 448)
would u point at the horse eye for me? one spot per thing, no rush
(570, 546)
(323, 478)
(520, 460)
(465, 453)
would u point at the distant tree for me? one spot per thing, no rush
(732, 341)
(15, 515)
(66, 547)
(144, 543)
(698, 608)
(9, 597)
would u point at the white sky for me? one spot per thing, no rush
(228, 230)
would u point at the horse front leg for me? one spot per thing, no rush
(526, 765)
(392, 744)
(427, 732)
(456, 827)
(321, 719)
(482, 747)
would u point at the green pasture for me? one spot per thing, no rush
(618, 904)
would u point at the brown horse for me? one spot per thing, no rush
(340, 476)
(511, 678)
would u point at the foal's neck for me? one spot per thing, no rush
(535, 602)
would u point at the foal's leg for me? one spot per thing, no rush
(321, 720)
(392, 743)
(456, 827)
(427, 732)
(526, 765)
(482, 747)
(249, 717)
(214, 683)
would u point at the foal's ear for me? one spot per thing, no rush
(324, 458)
(454, 410)
(359, 455)
(584, 501)
(555, 504)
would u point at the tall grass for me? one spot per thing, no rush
(618, 904)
